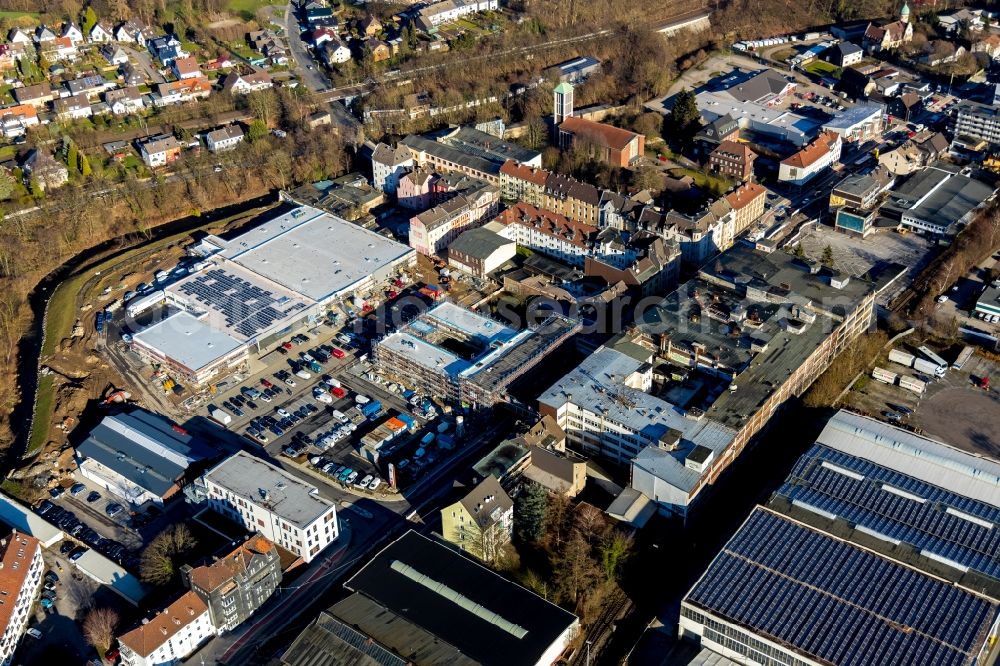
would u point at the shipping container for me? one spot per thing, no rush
(884, 376)
(140, 305)
(901, 357)
(427, 439)
(220, 415)
(912, 384)
(411, 423)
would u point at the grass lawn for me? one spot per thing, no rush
(248, 8)
(43, 415)
(703, 180)
(17, 15)
(820, 68)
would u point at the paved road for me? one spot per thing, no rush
(312, 75)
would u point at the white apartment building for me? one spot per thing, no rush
(20, 578)
(267, 499)
(170, 636)
(388, 166)
(809, 162)
(549, 233)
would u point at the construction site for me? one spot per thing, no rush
(466, 357)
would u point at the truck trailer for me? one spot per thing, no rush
(884, 376)
(901, 357)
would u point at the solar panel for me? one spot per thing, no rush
(925, 525)
(246, 308)
(838, 602)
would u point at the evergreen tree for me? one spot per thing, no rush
(36, 189)
(89, 21)
(827, 258)
(529, 516)
(72, 157)
(84, 165)
(684, 119)
(256, 131)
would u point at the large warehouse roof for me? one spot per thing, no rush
(897, 508)
(484, 615)
(144, 448)
(838, 603)
(311, 252)
(932, 462)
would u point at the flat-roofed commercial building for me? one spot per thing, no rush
(681, 394)
(271, 501)
(250, 290)
(938, 201)
(462, 356)
(21, 568)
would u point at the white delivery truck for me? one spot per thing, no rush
(220, 415)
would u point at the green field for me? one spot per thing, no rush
(820, 68)
(248, 8)
(17, 15)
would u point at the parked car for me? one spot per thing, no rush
(56, 492)
(339, 353)
(77, 553)
(374, 483)
(113, 510)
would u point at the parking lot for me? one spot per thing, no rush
(857, 256)
(952, 409)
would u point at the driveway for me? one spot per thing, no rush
(145, 62)
(310, 73)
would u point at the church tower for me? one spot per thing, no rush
(904, 13)
(562, 103)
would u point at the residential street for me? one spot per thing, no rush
(312, 76)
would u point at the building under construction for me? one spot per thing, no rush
(465, 357)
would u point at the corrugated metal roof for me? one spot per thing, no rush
(923, 458)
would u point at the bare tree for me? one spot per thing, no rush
(99, 628)
(158, 564)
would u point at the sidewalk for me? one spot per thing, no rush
(288, 602)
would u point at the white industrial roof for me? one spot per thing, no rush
(920, 457)
(187, 340)
(424, 353)
(469, 322)
(25, 520)
(311, 252)
(106, 572)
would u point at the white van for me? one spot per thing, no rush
(340, 416)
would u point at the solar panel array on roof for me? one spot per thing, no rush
(248, 309)
(899, 507)
(838, 603)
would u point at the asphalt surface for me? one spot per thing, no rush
(310, 73)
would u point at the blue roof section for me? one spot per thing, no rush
(837, 602)
(910, 510)
(145, 448)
